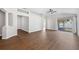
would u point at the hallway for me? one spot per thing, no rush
(49, 40)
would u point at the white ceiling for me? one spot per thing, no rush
(59, 10)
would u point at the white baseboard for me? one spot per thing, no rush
(51, 29)
(9, 36)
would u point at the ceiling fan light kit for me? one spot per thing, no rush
(51, 11)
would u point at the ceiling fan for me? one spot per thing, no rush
(51, 11)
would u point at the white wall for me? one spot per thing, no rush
(9, 31)
(52, 23)
(10, 19)
(19, 22)
(44, 22)
(23, 23)
(49, 23)
(2, 21)
(35, 22)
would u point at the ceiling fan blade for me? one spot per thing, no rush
(54, 11)
(51, 11)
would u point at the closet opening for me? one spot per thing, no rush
(22, 24)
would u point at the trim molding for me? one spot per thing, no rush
(51, 29)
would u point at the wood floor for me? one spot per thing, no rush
(0, 37)
(49, 40)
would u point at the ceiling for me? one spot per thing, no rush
(58, 10)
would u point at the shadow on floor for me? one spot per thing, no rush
(0, 37)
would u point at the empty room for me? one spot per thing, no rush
(39, 28)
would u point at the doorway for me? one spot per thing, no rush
(23, 23)
(68, 24)
(65, 25)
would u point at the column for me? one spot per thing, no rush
(74, 24)
(4, 29)
(6, 19)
